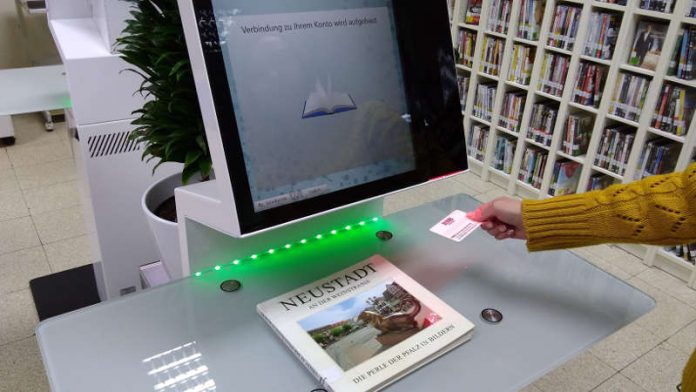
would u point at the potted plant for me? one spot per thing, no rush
(169, 126)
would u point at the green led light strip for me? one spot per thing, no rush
(286, 247)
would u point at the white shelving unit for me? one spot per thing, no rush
(630, 15)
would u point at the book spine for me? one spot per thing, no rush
(308, 365)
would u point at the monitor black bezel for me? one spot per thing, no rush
(432, 96)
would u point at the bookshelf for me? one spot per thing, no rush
(558, 56)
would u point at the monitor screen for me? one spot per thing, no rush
(316, 106)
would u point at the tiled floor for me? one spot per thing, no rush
(41, 232)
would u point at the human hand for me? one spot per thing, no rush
(501, 218)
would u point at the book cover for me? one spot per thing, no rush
(568, 178)
(647, 45)
(365, 327)
(473, 12)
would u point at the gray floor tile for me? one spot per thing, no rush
(8, 180)
(17, 234)
(670, 285)
(669, 316)
(619, 383)
(685, 340)
(474, 182)
(658, 370)
(12, 205)
(52, 197)
(580, 374)
(625, 346)
(25, 155)
(18, 268)
(60, 225)
(530, 388)
(4, 160)
(68, 254)
(46, 174)
(21, 367)
(31, 130)
(18, 316)
(490, 195)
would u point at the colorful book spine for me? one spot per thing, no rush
(576, 138)
(542, 123)
(511, 114)
(614, 148)
(529, 25)
(659, 156)
(601, 35)
(491, 55)
(504, 154)
(674, 110)
(499, 17)
(554, 69)
(466, 46)
(657, 5)
(629, 96)
(589, 83)
(463, 86)
(484, 100)
(599, 181)
(533, 166)
(564, 28)
(477, 142)
(522, 63)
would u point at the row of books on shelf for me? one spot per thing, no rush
(657, 5)
(687, 252)
(466, 44)
(543, 122)
(511, 114)
(564, 28)
(683, 58)
(533, 166)
(554, 69)
(529, 25)
(463, 86)
(484, 101)
(492, 55)
(618, 2)
(601, 35)
(615, 148)
(499, 16)
(675, 109)
(658, 156)
(589, 83)
(504, 154)
(629, 96)
(478, 141)
(522, 64)
(576, 138)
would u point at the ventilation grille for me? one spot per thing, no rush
(111, 144)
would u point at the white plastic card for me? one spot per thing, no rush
(455, 226)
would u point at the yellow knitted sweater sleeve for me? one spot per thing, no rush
(658, 210)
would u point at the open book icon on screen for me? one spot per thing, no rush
(323, 102)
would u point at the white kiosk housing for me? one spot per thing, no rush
(352, 112)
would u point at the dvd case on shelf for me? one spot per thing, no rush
(614, 148)
(543, 122)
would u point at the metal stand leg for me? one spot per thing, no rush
(48, 118)
(7, 137)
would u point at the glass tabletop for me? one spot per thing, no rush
(190, 335)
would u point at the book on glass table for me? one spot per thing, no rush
(365, 327)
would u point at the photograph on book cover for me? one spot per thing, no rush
(367, 324)
(647, 45)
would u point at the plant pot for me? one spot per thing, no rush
(166, 232)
